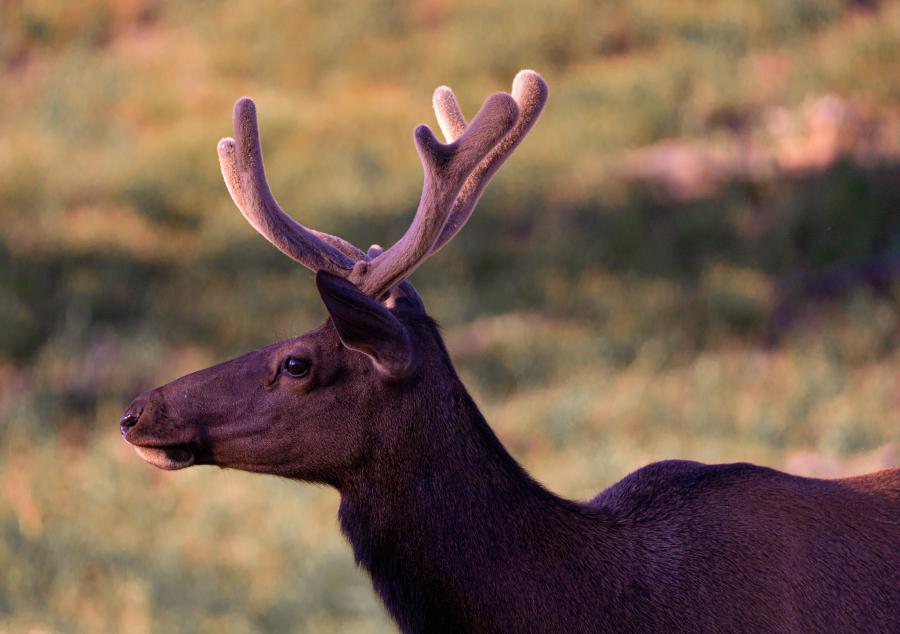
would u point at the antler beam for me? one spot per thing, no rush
(530, 92)
(446, 168)
(242, 167)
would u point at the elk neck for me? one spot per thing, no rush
(453, 524)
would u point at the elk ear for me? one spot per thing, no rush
(365, 325)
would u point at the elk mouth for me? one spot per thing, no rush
(170, 458)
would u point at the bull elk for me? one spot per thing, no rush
(456, 536)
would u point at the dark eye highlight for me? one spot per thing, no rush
(296, 367)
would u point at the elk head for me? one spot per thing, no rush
(312, 407)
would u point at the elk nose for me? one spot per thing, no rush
(130, 417)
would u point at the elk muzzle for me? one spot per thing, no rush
(147, 428)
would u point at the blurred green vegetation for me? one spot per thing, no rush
(602, 319)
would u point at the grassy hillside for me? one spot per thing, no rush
(695, 254)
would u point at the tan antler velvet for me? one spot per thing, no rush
(455, 175)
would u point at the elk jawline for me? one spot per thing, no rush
(169, 458)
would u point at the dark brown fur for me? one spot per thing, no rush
(458, 538)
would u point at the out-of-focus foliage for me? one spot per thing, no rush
(694, 254)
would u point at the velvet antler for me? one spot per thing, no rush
(455, 175)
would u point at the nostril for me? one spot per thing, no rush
(133, 413)
(128, 421)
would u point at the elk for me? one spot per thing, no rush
(455, 534)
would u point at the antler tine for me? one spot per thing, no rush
(530, 92)
(446, 168)
(450, 117)
(242, 167)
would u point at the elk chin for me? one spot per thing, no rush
(168, 458)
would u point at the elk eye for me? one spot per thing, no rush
(295, 366)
